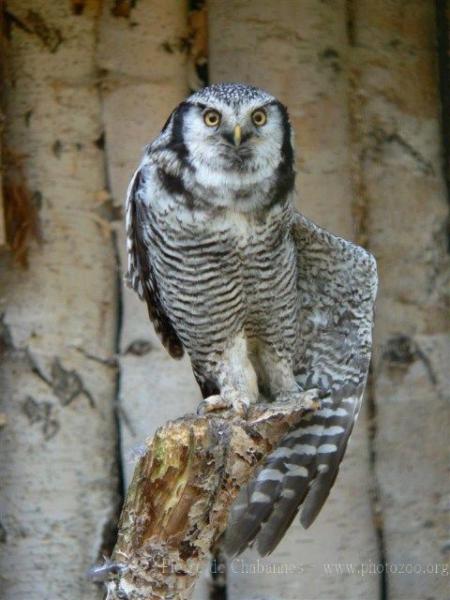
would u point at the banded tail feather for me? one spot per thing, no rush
(298, 474)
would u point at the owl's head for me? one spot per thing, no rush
(234, 135)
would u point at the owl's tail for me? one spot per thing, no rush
(298, 474)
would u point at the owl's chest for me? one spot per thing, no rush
(214, 255)
(227, 237)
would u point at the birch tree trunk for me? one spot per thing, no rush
(57, 325)
(141, 84)
(298, 51)
(404, 190)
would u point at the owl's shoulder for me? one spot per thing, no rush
(150, 186)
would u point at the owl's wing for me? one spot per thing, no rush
(337, 283)
(140, 275)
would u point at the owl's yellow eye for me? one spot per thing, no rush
(211, 118)
(259, 117)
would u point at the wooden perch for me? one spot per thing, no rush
(182, 490)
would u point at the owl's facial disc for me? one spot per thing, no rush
(246, 137)
(237, 142)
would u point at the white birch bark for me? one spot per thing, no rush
(58, 447)
(402, 178)
(297, 50)
(142, 83)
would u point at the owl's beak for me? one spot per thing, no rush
(237, 135)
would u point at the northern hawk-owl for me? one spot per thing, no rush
(265, 302)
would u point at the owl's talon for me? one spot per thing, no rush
(212, 404)
(240, 408)
(217, 403)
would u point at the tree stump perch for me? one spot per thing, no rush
(183, 487)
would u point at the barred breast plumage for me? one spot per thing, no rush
(221, 274)
(226, 274)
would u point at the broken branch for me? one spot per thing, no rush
(182, 490)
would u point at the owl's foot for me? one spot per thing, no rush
(218, 403)
(212, 404)
(298, 398)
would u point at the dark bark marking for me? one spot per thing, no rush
(68, 385)
(123, 8)
(57, 148)
(3, 534)
(78, 6)
(6, 341)
(381, 137)
(139, 348)
(401, 351)
(41, 412)
(35, 24)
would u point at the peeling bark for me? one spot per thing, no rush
(183, 486)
